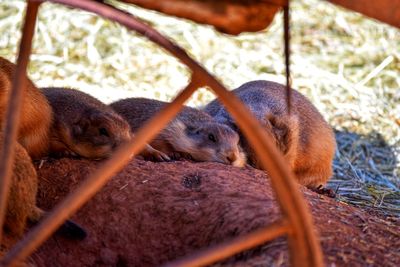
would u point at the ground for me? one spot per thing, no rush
(146, 218)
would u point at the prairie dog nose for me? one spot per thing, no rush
(123, 137)
(120, 140)
(231, 157)
(235, 157)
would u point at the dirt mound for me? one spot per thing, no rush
(152, 213)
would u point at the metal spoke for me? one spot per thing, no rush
(13, 111)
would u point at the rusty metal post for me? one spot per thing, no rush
(12, 114)
(286, 41)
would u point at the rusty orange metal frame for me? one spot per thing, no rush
(13, 110)
(387, 11)
(227, 16)
(304, 246)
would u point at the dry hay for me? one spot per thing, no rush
(346, 64)
(366, 174)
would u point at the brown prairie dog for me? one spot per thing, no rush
(21, 205)
(304, 137)
(86, 127)
(36, 115)
(192, 133)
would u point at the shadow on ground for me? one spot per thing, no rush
(366, 172)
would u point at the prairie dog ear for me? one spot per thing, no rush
(81, 126)
(231, 123)
(282, 127)
(191, 130)
(228, 120)
(96, 116)
(175, 127)
(76, 130)
(277, 122)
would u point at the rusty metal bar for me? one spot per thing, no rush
(286, 41)
(232, 247)
(97, 180)
(227, 16)
(387, 11)
(307, 252)
(13, 111)
(293, 240)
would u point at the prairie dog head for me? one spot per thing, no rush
(209, 142)
(97, 134)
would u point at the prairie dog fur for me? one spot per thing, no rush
(21, 205)
(192, 132)
(86, 127)
(36, 115)
(303, 136)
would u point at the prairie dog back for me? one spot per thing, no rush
(304, 137)
(192, 132)
(36, 115)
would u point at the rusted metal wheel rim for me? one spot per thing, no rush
(304, 246)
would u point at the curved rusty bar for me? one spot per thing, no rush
(12, 115)
(304, 247)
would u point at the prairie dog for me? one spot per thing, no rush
(36, 115)
(86, 127)
(193, 132)
(304, 137)
(21, 205)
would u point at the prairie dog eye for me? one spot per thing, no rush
(212, 138)
(104, 132)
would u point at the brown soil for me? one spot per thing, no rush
(152, 213)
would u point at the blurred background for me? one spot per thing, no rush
(348, 66)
